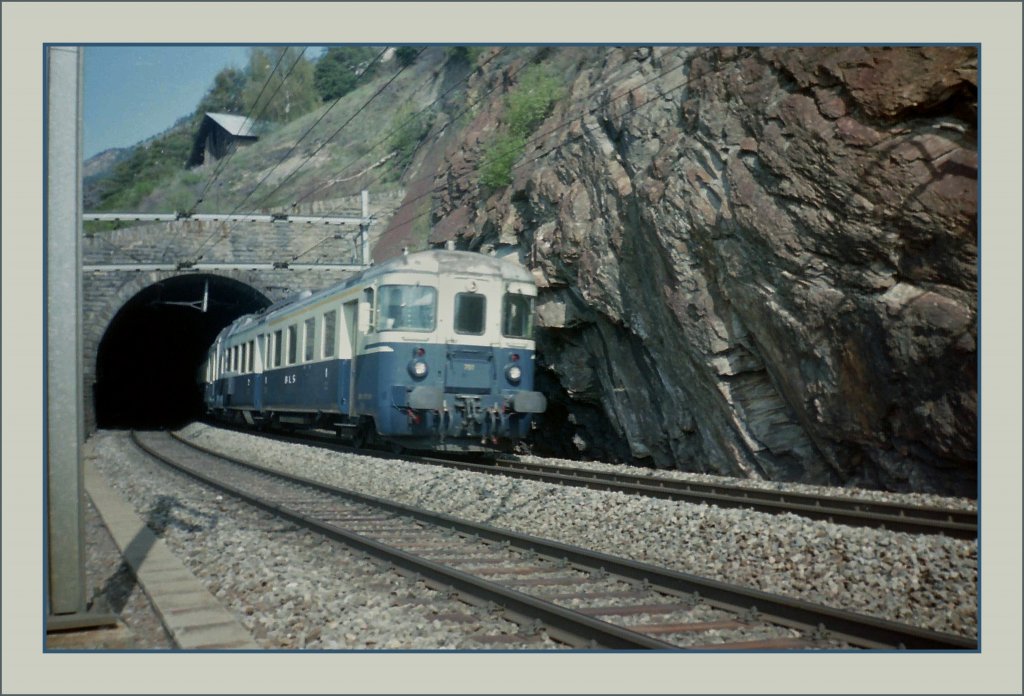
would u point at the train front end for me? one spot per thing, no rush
(456, 332)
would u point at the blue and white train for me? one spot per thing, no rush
(433, 350)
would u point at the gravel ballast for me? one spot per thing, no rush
(290, 588)
(286, 586)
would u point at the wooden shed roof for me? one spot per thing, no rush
(239, 126)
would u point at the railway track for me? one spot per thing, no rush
(582, 598)
(841, 510)
(847, 510)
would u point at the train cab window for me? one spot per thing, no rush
(309, 343)
(470, 313)
(517, 316)
(406, 308)
(278, 349)
(293, 343)
(330, 333)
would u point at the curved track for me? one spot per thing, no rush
(839, 509)
(582, 597)
(847, 510)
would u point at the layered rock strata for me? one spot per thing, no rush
(754, 261)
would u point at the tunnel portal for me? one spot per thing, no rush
(149, 358)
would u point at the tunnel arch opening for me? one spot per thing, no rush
(148, 360)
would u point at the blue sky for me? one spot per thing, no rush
(133, 92)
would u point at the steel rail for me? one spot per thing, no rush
(858, 512)
(560, 618)
(838, 509)
(840, 502)
(860, 630)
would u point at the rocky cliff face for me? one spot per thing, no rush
(758, 262)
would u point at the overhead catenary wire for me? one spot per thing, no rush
(585, 131)
(348, 171)
(248, 118)
(266, 104)
(292, 148)
(222, 164)
(468, 107)
(534, 138)
(576, 116)
(198, 253)
(340, 128)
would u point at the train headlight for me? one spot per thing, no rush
(418, 369)
(514, 373)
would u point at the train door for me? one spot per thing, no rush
(350, 312)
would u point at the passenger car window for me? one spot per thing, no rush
(406, 308)
(517, 316)
(470, 313)
(330, 333)
(277, 348)
(293, 343)
(310, 329)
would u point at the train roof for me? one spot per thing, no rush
(443, 260)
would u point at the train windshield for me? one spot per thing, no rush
(470, 313)
(517, 316)
(406, 308)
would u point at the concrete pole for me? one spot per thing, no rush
(64, 424)
(364, 228)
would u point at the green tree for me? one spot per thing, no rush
(406, 55)
(227, 95)
(469, 54)
(283, 99)
(343, 68)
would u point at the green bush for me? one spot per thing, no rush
(498, 158)
(531, 101)
(410, 129)
(406, 55)
(469, 54)
(342, 69)
(526, 106)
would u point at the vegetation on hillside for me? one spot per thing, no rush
(279, 85)
(145, 167)
(408, 127)
(526, 106)
(256, 91)
(343, 68)
(302, 107)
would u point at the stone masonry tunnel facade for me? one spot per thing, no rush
(144, 329)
